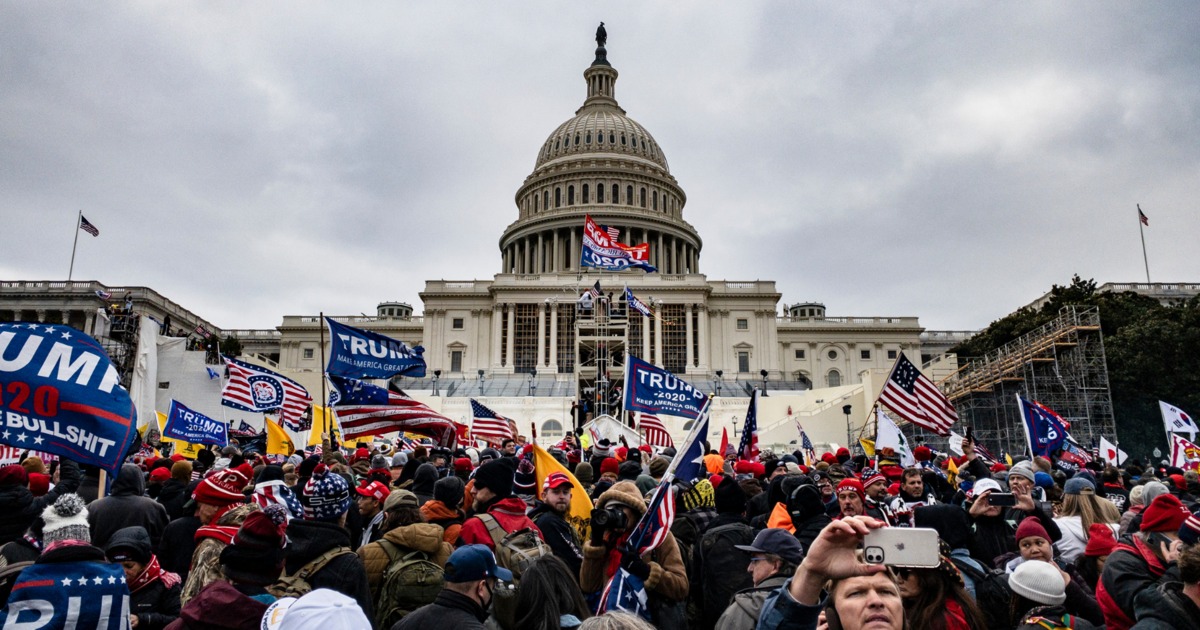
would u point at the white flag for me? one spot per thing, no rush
(956, 442)
(888, 434)
(1176, 421)
(1111, 453)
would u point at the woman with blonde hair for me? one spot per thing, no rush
(1081, 508)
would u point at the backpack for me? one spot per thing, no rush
(991, 593)
(515, 552)
(720, 568)
(297, 585)
(409, 582)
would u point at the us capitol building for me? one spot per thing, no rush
(522, 343)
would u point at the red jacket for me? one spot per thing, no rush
(510, 513)
(1131, 568)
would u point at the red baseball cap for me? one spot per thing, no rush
(375, 490)
(555, 480)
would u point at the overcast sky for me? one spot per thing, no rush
(945, 160)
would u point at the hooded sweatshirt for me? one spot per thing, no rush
(126, 506)
(423, 537)
(423, 480)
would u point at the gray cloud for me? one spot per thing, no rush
(943, 160)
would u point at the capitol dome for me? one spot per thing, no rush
(601, 163)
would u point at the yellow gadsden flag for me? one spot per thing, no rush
(324, 421)
(580, 514)
(868, 447)
(278, 441)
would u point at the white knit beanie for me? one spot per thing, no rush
(65, 520)
(1040, 582)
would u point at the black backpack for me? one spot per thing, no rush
(992, 594)
(721, 568)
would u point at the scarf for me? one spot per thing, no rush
(153, 572)
(223, 533)
(614, 557)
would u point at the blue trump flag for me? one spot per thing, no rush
(61, 394)
(69, 595)
(1043, 428)
(193, 426)
(351, 391)
(653, 390)
(357, 353)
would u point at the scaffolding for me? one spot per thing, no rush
(601, 338)
(1061, 365)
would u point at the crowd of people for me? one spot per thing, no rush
(403, 535)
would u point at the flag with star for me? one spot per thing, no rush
(69, 595)
(64, 396)
(913, 397)
(748, 449)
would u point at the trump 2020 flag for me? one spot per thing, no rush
(192, 426)
(1044, 429)
(62, 395)
(649, 389)
(636, 304)
(603, 252)
(69, 595)
(357, 353)
(259, 390)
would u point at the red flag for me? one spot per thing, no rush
(724, 441)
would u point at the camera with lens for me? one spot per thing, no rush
(609, 518)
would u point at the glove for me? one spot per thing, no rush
(597, 537)
(634, 565)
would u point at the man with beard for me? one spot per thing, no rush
(913, 495)
(492, 498)
(875, 485)
(551, 517)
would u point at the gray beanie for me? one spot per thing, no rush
(66, 520)
(399, 459)
(1040, 582)
(1024, 469)
(1152, 490)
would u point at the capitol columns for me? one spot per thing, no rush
(553, 367)
(497, 313)
(541, 336)
(689, 331)
(705, 342)
(512, 335)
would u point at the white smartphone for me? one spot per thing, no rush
(902, 547)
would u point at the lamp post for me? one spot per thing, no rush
(846, 410)
(719, 374)
(481, 382)
(532, 382)
(764, 375)
(436, 375)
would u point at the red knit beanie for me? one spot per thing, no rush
(922, 453)
(743, 467)
(13, 475)
(852, 484)
(221, 488)
(1100, 541)
(1165, 514)
(609, 465)
(39, 484)
(1031, 526)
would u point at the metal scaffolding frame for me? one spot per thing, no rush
(1061, 365)
(601, 336)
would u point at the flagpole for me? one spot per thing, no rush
(324, 398)
(79, 216)
(1141, 231)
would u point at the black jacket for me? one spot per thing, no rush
(996, 535)
(155, 605)
(1166, 608)
(561, 536)
(125, 507)
(344, 574)
(178, 543)
(18, 506)
(450, 611)
(172, 497)
(423, 481)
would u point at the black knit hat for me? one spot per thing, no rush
(449, 490)
(628, 471)
(730, 497)
(497, 476)
(256, 554)
(129, 543)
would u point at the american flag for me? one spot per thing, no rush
(748, 449)
(655, 431)
(625, 591)
(806, 445)
(399, 413)
(259, 390)
(613, 233)
(87, 226)
(201, 331)
(489, 425)
(916, 399)
(595, 290)
(1142, 217)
